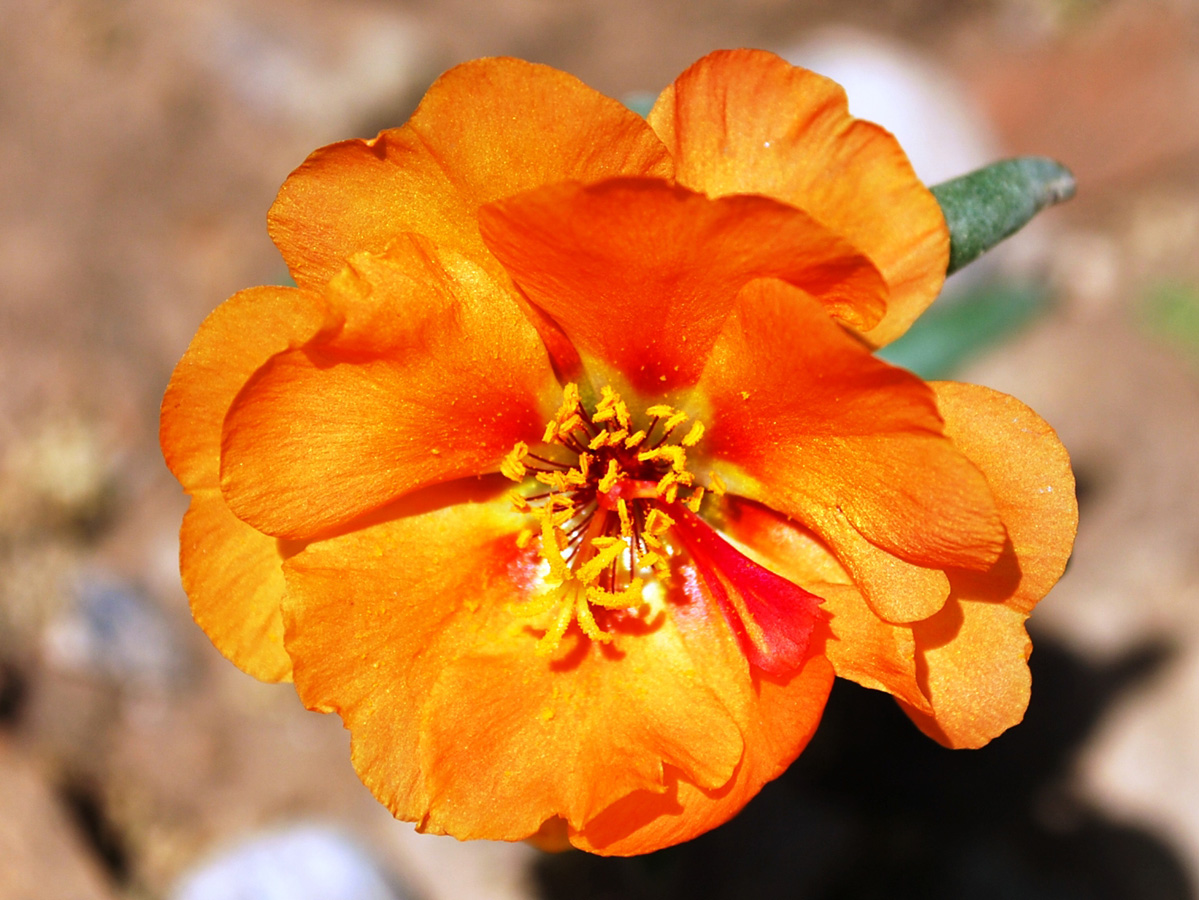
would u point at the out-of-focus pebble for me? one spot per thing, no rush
(112, 630)
(307, 862)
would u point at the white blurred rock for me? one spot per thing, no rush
(922, 104)
(326, 78)
(944, 133)
(307, 862)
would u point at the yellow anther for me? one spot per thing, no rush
(650, 558)
(512, 467)
(552, 553)
(551, 432)
(629, 596)
(575, 477)
(518, 501)
(675, 421)
(569, 424)
(716, 484)
(556, 480)
(695, 499)
(672, 493)
(661, 411)
(635, 439)
(570, 401)
(657, 522)
(603, 558)
(623, 418)
(585, 464)
(668, 480)
(693, 436)
(523, 538)
(600, 440)
(626, 521)
(610, 477)
(604, 414)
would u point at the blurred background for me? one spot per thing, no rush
(141, 143)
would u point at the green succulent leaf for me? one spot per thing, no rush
(989, 204)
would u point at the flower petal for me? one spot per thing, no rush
(236, 339)
(772, 617)
(806, 421)
(777, 717)
(486, 129)
(402, 628)
(641, 274)
(1029, 472)
(374, 615)
(747, 122)
(974, 653)
(230, 571)
(434, 374)
(233, 577)
(863, 648)
(568, 739)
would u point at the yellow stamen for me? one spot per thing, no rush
(626, 521)
(675, 421)
(610, 477)
(512, 467)
(657, 522)
(693, 436)
(661, 411)
(716, 484)
(635, 440)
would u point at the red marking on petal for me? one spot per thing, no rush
(772, 617)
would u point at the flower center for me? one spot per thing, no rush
(598, 488)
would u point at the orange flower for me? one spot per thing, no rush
(566, 476)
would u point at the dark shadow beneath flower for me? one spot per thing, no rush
(875, 810)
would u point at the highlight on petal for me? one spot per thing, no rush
(748, 122)
(486, 129)
(230, 571)
(974, 653)
(806, 421)
(430, 350)
(641, 275)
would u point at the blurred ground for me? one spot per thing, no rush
(141, 143)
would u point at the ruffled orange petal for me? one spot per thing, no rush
(405, 629)
(641, 274)
(432, 375)
(806, 421)
(372, 616)
(862, 648)
(568, 739)
(235, 340)
(975, 651)
(486, 129)
(230, 571)
(233, 575)
(776, 717)
(747, 122)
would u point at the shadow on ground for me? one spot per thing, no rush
(873, 809)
